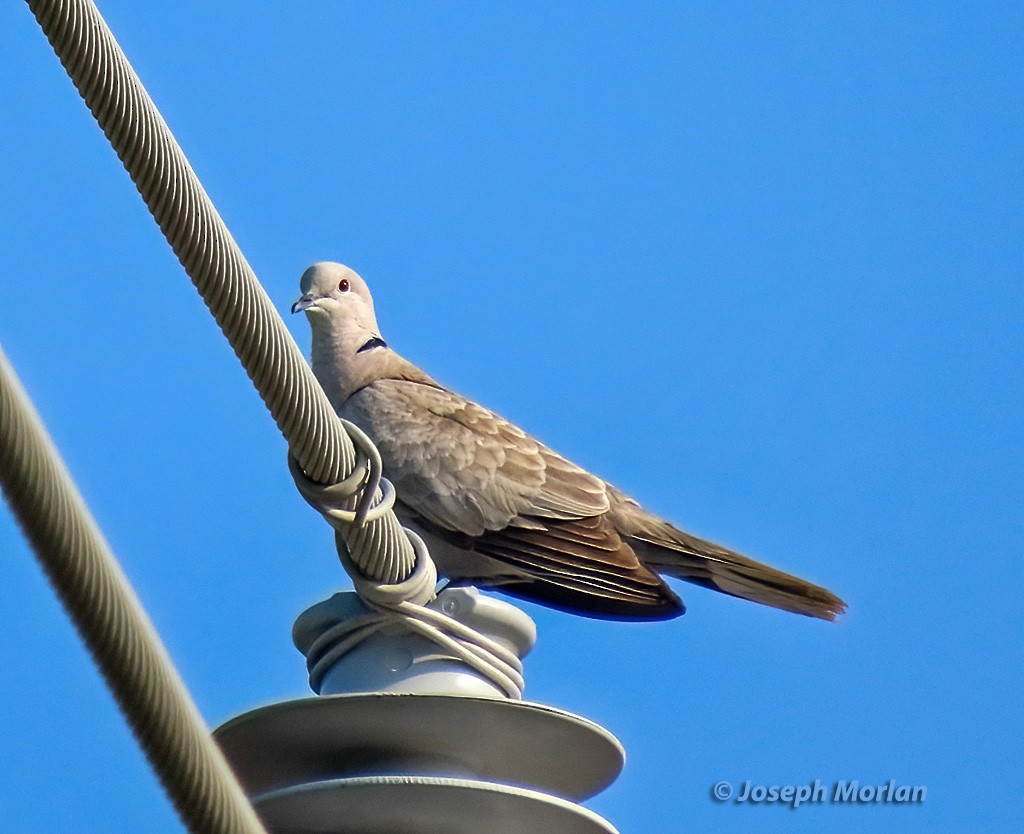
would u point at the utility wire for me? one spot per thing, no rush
(109, 617)
(204, 246)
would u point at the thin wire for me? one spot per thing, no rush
(112, 623)
(212, 259)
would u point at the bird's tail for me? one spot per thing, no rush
(668, 550)
(675, 553)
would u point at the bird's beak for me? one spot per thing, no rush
(303, 303)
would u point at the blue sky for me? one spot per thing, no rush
(758, 264)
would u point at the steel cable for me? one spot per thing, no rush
(204, 246)
(113, 624)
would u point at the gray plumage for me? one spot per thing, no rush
(498, 508)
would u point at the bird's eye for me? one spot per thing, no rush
(343, 286)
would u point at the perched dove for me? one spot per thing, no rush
(499, 509)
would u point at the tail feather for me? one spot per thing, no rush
(668, 550)
(703, 563)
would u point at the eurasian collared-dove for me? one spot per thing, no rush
(499, 509)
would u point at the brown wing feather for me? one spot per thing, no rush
(464, 467)
(579, 565)
(481, 483)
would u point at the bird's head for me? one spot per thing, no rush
(330, 289)
(337, 302)
(347, 349)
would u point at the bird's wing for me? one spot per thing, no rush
(481, 482)
(466, 468)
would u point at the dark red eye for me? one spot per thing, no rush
(343, 286)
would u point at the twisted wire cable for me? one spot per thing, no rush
(204, 246)
(113, 624)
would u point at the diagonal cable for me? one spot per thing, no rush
(204, 246)
(113, 624)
